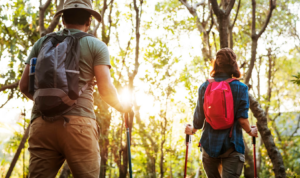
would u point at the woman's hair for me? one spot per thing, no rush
(225, 62)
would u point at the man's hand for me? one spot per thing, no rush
(190, 130)
(125, 107)
(253, 131)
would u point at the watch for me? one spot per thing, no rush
(249, 131)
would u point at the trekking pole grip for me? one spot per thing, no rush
(253, 140)
(187, 138)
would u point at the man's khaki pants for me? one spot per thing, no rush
(228, 165)
(51, 143)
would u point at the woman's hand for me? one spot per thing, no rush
(189, 130)
(253, 131)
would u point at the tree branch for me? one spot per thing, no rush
(96, 28)
(193, 12)
(54, 22)
(229, 7)
(199, 4)
(18, 152)
(215, 43)
(9, 98)
(109, 18)
(10, 86)
(137, 35)
(236, 15)
(212, 21)
(215, 6)
(275, 117)
(296, 130)
(253, 26)
(42, 15)
(272, 7)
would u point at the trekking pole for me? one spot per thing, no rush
(128, 143)
(254, 157)
(187, 140)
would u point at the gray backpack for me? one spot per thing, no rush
(57, 75)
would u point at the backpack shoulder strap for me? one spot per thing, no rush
(230, 80)
(211, 80)
(54, 37)
(80, 35)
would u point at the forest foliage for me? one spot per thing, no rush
(161, 52)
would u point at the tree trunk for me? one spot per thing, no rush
(123, 167)
(223, 19)
(103, 118)
(163, 135)
(256, 36)
(223, 31)
(230, 38)
(252, 61)
(161, 164)
(104, 142)
(15, 159)
(151, 149)
(267, 138)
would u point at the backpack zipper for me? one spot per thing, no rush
(225, 104)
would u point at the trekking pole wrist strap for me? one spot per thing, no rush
(249, 131)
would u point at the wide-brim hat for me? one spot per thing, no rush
(79, 4)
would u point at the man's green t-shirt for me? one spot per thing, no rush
(93, 52)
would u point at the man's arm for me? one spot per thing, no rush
(107, 90)
(24, 82)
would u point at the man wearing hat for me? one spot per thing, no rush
(51, 143)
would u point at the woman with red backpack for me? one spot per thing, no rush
(222, 113)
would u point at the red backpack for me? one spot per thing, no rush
(218, 105)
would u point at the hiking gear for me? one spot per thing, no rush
(254, 156)
(50, 144)
(216, 142)
(57, 75)
(218, 104)
(128, 144)
(79, 4)
(93, 52)
(31, 76)
(188, 141)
